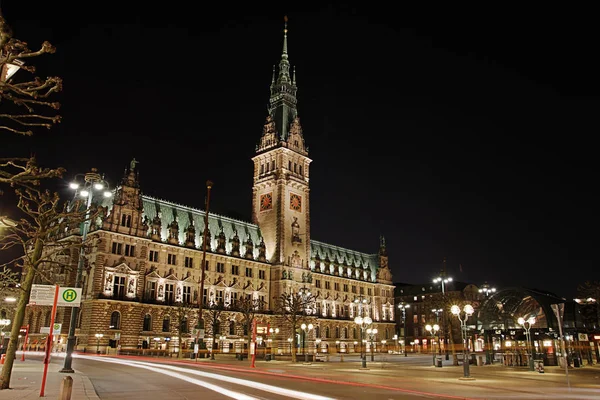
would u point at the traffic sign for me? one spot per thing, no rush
(43, 295)
(57, 328)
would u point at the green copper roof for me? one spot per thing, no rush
(361, 262)
(215, 223)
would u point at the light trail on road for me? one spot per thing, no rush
(168, 370)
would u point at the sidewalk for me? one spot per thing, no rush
(26, 382)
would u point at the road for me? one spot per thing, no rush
(387, 378)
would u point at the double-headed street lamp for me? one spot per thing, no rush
(487, 289)
(403, 307)
(433, 330)
(443, 279)
(304, 327)
(93, 184)
(372, 332)
(526, 324)
(466, 312)
(363, 323)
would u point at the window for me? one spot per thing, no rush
(290, 165)
(169, 293)
(232, 327)
(317, 283)
(219, 298)
(369, 291)
(166, 324)
(345, 287)
(336, 286)
(345, 332)
(317, 331)
(262, 302)
(119, 286)
(362, 290)
(353, 289)
(235, 270)
(249, 272)
(206, 265)
(129, 250)
(234, 298)
(183, 327)
(171, 259)
(205, 296)
(346, 310)
(273, 164)
(261, 274)
(262, 168)
(147, 323)
(337, 331)
(189, 262)
(126, 220)
(415, 319)
(301, 170)
(117, 248)
(151, 290)
(327, 285)
(295, 167)
(153, 256)
(221, 268)
(115, 320)
(318, 307)
(327, 332)
(353, 333)
(187, 294)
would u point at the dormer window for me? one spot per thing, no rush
(126, 220)
(296, 143)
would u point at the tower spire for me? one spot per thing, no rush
(284, 54)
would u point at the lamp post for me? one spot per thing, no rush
(98, 337)
(363, 323)
(317, 345)
(93, 184)
(443, 279)
(526, 324)
(205, 238)
(372, 333)
(433, 330)
(271, 332)
(467, 311)
(395, 338)
(403, 307)
(304, 327)
(487, 290)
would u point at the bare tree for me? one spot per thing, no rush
(249, 307)
(22, 101)
(294, 308)
(212, 315)
(182, 312)
(44, 235)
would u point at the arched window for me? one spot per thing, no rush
(216, 327)
(184, 325)
(147, 322)
(337, 331)
(326, 331)
(115, 320)
(232, 327)
(353, 333)
(317, 332)
(345, 333)
(166, 324)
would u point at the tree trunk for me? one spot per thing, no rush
(17, 322)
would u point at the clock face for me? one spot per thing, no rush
(266, 201)
(295, 202)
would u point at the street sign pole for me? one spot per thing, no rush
(49, 341)
(25, 342)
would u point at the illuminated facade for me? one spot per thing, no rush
(145, 256)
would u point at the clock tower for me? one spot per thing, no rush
(280, 205)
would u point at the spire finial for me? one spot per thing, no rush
(285, 19)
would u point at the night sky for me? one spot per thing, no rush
(452, 136)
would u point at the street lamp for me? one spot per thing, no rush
(98, 337)
(271, 332)
(433, 330)
(526, 323)
(372, 333)
(487, 289)
(444, 279)
(304, 327)
(395, 338)
(93, 184)
(403, 307)
(363, 323)
(317, 343)
(467, 312)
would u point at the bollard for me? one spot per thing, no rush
(66, 387)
